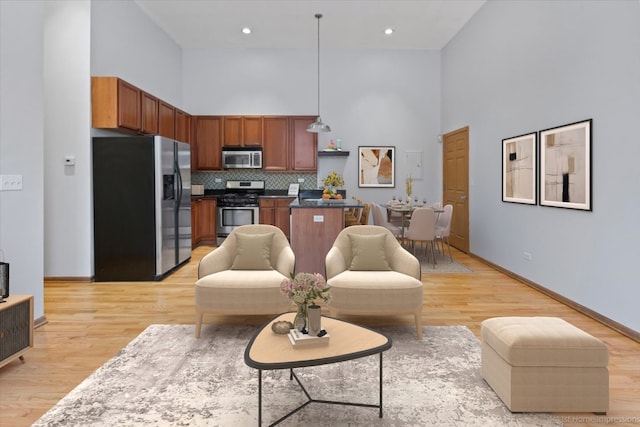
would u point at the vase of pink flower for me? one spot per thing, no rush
(303, 289)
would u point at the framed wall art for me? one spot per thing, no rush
(565, 166)
(519, 164)
(376, 166)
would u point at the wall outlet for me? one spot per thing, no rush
(300, 180)
(10, 182)
(218, 180)
(526, 256)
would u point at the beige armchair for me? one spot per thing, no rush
(243, 275)
(370, 273)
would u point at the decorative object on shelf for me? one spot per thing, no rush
(376, 166)
(303, 289)
(318, 126)
(334, 146)
(565, 166)
(519, 169)
(281, 327)
(331, 183)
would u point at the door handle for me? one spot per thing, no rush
(463, 197)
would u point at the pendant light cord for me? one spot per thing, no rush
(318, 16)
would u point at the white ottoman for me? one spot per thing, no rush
(544, 364)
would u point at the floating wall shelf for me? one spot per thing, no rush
(336, 153)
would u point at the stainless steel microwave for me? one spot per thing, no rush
(242, 157)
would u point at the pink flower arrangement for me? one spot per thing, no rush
(304, 288)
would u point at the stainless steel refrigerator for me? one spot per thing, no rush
(141, 207)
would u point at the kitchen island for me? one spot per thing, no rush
(315, 224)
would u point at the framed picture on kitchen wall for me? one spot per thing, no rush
(376, 166)
(519, 165)
(565, 166)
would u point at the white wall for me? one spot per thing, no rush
(82, 39)
(127, 44)
(368, 97)
(68, 243)
(524, 66)
(22, 145)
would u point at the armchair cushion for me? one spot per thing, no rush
(368, 252)
(253, 252)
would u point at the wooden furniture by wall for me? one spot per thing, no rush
(16, 327)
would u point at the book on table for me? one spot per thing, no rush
(298, 339)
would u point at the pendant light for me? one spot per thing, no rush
(318, 126)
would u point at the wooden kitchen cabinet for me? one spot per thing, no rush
(203, 221)
(242, 131)
(115, 104)
(206, 150)
(166, 120)
(275, 143)
(287, 146)
(304, 145)
(183, 126)
(275, 211)
(149, 116)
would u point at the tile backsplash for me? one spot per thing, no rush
(273, 180)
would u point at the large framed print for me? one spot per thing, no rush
(376, 166)
(565, 166)
(519, 169)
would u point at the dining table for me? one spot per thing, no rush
(405, 210)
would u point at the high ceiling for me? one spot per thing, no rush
(417, 24)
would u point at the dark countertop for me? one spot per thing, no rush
(212, 194)
(321, 203)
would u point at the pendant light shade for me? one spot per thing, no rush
(318, 126)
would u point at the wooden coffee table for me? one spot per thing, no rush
(269, 351)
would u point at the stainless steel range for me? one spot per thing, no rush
(239, 205)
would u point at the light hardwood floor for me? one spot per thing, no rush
(89, 322)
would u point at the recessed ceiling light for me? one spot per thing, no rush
(246, 30)
(388, 31)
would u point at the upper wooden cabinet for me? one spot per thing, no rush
(166, 120)
(183, 126)
(115, 104)
(206, 152)
(275, 143)
(304, 145)
(241, 131)
(287, 146)
(149, 113)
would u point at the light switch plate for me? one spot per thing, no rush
(10, 182)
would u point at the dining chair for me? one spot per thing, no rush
(443, 228)
(364, 216)
(422, 228)
(379, 218)
(353, 217)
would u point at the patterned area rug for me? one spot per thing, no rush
(166, 377)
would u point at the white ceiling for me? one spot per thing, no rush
(418, 24)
